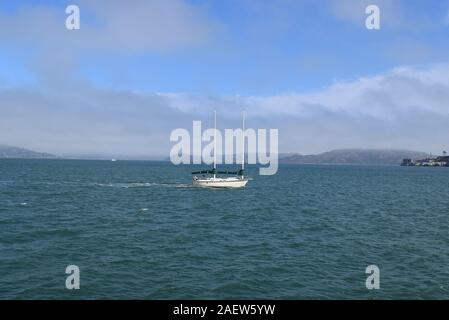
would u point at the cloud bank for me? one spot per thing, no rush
(144, 26)
(404, 108)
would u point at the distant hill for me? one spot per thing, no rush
(14, 152)
(355, 156)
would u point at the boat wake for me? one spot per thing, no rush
(143, 185)
(124, 185)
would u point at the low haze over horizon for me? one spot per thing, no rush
(133, 73)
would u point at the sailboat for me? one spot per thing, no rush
(237, 181)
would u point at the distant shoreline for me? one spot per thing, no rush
(333, 157)
(168, 161)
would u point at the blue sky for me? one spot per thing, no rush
(204, 54)
(262, 48)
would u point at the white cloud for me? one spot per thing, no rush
(143, 26)
(385, 97)
(404, 108)
(354, 11)
(393, 13)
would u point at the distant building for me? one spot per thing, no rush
(407, 163)
(440, 161)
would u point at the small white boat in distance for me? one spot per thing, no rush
(237, 181)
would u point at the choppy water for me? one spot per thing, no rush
(140, 230)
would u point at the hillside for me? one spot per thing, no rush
(355, 156)
(21, 153)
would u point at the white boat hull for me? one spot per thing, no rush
(221, 182)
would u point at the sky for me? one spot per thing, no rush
(136, 70)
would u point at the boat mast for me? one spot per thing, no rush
(243, 143)
(215, 142)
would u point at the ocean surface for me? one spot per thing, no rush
(140, 230)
